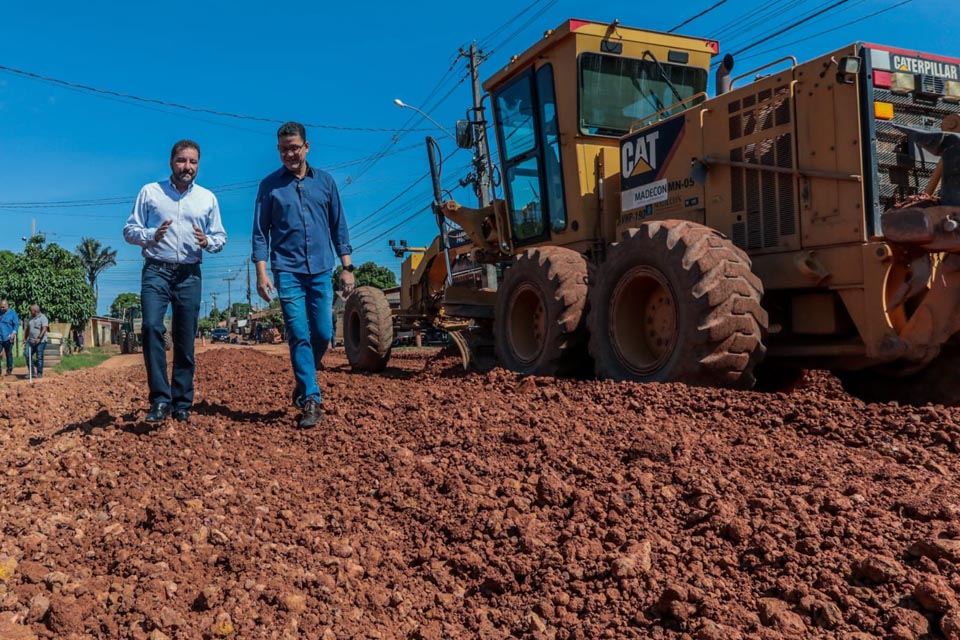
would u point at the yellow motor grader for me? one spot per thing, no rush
(647, 232)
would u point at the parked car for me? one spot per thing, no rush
(220, 335)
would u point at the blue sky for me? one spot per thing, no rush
(338, 64)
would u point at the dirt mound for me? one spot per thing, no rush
(431, 503)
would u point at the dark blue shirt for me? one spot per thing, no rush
(300, 221)
(8, 324)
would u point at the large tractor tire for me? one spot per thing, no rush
(936, 383)
(130, 343)
(540, 324)
(676, 301)
(367, 329)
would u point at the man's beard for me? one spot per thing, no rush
(185, 177)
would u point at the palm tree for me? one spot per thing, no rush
(95, 259)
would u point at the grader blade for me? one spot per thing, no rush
(476, 349)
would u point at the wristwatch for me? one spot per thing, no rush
(349, 268)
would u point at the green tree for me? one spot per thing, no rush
(239, 310)
(95, 258)
(368, 274)
(50, 276)
(205, 325)
(121, 302)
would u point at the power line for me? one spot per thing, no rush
(826, 31)
(487, 39)
(225, 114)
(217, 189)
(390, 201)
(743, 26)
(791, 27)
(523, 26)
(699, 15)
(356, 233)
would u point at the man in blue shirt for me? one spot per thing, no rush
(8, 332)
(173, 220)
(299, 224)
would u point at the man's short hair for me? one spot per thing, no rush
(292, 129)
(184, 144)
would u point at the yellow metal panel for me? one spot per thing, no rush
(828, 133)
(814, 314)
(754, 125)
(635, 41)
(833, 267)
(407, 269)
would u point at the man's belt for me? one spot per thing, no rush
(171, 266)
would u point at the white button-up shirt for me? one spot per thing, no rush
(158, 202)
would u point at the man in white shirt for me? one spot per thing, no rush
(174, 221)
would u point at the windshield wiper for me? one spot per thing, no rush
(662, 72)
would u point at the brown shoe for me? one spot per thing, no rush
(312, 414)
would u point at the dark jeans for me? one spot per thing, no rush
(306, 300)
(7, 347)
(162, 286)
(29, 351)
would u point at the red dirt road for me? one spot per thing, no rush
(436, 504)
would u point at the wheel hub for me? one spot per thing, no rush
(643, 320)
(527, 324)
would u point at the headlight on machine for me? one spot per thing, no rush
(902, 82)
(951, 90)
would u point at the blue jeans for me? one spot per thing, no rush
(29, 350)
(7, 347)
(307, 303)
(162, 286)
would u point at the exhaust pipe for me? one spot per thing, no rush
(723, 75)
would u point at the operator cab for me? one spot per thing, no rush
(566, 101)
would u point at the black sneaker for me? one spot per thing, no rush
(182, 415)
(158, 412)
(312, 414)
(297, 398)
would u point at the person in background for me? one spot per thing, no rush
(35, 340)
(333, 332)
(175, 221)
(9, 321)
(299, 224)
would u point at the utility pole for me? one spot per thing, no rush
(481, 156)
(482, 150)
(229, 303)
(214, 296)
(249, 300)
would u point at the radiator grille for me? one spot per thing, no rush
(764, 202)
(903, 171)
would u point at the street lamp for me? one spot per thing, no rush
(403, 105)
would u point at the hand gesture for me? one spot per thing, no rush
(200, 236)
(265, 287)
(347, 282)
(162, 230)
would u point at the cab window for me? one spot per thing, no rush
(528, 136)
